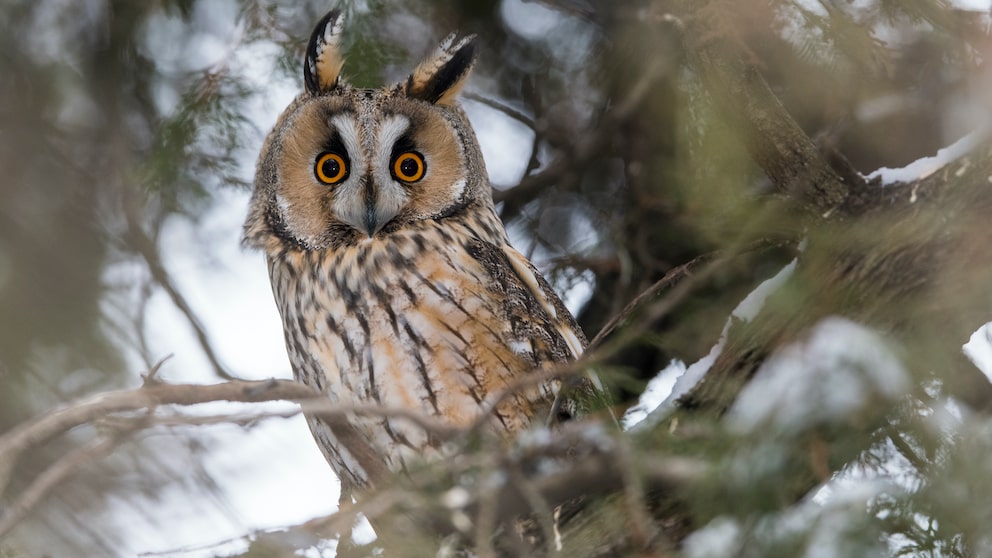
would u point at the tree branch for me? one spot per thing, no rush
(505, 109)
(778, 145)
(38, 431)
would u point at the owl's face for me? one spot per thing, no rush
(354, 164)
(344, 165)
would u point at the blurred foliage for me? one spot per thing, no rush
(117, 115)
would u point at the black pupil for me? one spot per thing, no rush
(331, 168)
(409, 167)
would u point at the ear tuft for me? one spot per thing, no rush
(441, 77)
(323, 62)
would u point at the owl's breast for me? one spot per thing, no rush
(412, 321)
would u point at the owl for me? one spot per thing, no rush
(392, 272)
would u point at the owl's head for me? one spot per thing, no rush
(344, 164)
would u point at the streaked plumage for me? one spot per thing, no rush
(390, 267)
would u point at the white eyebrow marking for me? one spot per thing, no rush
(348, 130)
(392, 196)
(391, 130)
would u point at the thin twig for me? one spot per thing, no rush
(505, 109)
(513, 199)
(139, 241)
(643, 530)
(533, 98)
(318, 406)
(687, 270)
(906, 450)
(673, 276)
(486, 521)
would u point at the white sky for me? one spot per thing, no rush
(972, 5)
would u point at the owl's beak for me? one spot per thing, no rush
(368, 205)
(378, 207)
(372, 221)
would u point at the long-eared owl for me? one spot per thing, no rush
(390, 267)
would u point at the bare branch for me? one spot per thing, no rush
(154, 394)
(37, 431)
(577, 465)
(776, 142)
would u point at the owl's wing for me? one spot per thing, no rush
(587, 387)
(552, 305)
(507, 265)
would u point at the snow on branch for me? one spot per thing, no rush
(841, 368)
(924, 167)
(657, 403)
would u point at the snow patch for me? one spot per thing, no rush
(720, 537)
(841, 367)
(922, 168)
(972, 5)
(676, 380)
(695, 372)
(833, 524)
(654, 394)
(748, 309)
(830, 524)
(979, 349)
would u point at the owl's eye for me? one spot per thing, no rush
(409, 166)
(330, 168)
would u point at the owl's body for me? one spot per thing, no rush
(391, 269)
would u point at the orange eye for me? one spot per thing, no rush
(409, 166)
(330, 168)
